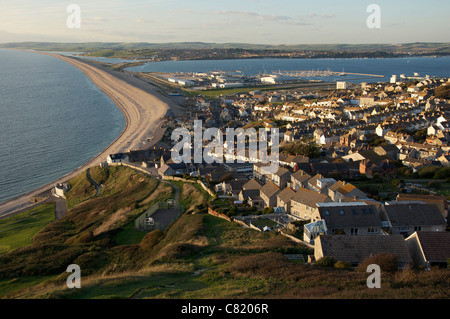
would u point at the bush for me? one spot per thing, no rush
(387, 262)
(326, 262)
(428, 172)
(443, 173)
(434, 184)
(342, 265)
(396, 182)
(268, 210)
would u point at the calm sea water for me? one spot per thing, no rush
(437, 67)
(53, 119)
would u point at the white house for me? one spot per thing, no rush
(117, 158)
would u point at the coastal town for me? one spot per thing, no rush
(361, 166)
(225, 158)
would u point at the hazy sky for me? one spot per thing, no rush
(250, 21)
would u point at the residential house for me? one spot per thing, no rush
(350, 218)
(355, 249)
(284, 199)
(252, 185)
(253, 198)
(117, 158)
(305, 202)
(269, 193)
(383, 168)
(340, 191)
(262, 172)
(405, 218)
(299, 179)
(429, 249)
(387, 150)
(440, 202)
(282, 177)
(313, 230)
(330, 168)
(319, 184)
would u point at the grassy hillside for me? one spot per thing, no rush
(19, 230)
(198, 256)
(110, 49)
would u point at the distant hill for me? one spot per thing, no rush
(411, 48)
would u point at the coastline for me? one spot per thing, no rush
(143, 107)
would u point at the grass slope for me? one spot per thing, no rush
(18, 231)
(198, 256)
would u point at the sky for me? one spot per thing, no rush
(226, 21)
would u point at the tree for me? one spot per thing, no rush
(442, 92)
(443, 173)
(428, 171)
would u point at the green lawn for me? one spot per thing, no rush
(18, 231)
(128, 235)
(9, 285)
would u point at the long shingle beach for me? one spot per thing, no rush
(144, 109)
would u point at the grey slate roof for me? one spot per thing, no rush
(252, 185)
(310, 198)
(413, 214)
(354, 249)
(435, 245)
(351, 216)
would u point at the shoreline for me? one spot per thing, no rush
(143, 107)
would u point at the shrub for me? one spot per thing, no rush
(342, 265)
(443, 173)
(428, 172)
(268, 210)
(326, 262)
(387, 262)
(434, 184)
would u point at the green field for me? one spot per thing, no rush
(18, 231)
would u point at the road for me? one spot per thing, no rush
(93, 182)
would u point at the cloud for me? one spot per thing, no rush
(94, 20)
(259, 16)
(143, 20)
(315, 15)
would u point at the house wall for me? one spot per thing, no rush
(415, 251)
(287, 206)
(318, 253)
(411, 230)
(301, 210)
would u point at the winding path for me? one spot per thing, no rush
(93, 182)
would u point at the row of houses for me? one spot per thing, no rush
(420, 250)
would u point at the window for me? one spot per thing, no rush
(354, 231)
(418, 228)
(372, 230)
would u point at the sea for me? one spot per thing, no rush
(53, 119)
(423, 66)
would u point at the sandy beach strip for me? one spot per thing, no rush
(143, 108)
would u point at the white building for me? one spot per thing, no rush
(341, 85)
(394, 79)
